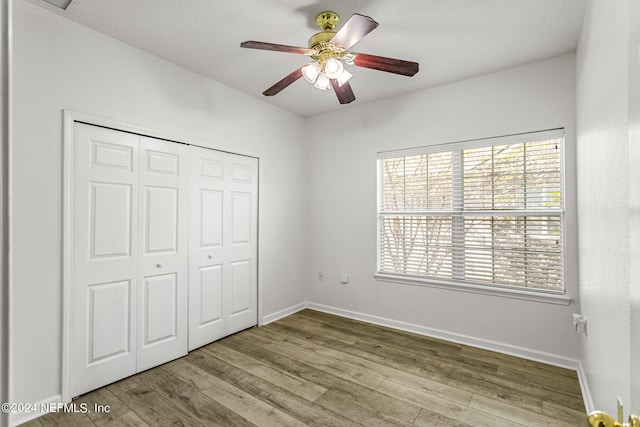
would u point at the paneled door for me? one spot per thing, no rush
(223, 245)
(163, 283)
(130, 292)
(163, 244)
(105, 261)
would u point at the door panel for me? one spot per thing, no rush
(160, 308)
(162, 220)
(104, 263)
(110, 220)
(241, 287)
(222, 259)
(241, 173)
(109, 321)
(207, 256)
(112, 156)
(210, 168)
(163, 279)
(210, 295)
(240, 218)
(211, 218)
(242, 248)
(162, 162)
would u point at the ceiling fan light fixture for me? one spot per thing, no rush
(348, 58)
(333, 68)
(311, 71)
(323, 82)
(329, 51)
(344, 77)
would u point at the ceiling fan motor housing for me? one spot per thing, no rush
(327, 20)
(320, 42)
(322, 38)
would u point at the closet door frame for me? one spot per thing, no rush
(68, 133)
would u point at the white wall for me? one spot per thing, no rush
(634, 197)
(4, 142)
(602, 124)
(61, 65)
(342, 150)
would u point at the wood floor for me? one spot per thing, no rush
(316, 369)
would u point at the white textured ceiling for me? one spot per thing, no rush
(451, 39)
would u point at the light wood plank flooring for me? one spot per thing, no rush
(317, 369)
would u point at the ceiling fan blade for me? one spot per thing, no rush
(276, 88)
(344, 93)
(273, 46)
(354, 30)
(381, 63)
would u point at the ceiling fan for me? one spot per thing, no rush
(329, 52)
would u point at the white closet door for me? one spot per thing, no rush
(103, 326)
(162, 290)
(164, 242)
(242, 243)
(223, 245)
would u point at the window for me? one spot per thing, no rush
(482, 213)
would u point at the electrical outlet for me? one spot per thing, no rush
(580, 323)
(321, 276)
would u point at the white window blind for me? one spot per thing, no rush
(486, 212)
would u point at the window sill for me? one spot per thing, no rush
(548, 298)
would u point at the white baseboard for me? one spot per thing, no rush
(538, 356)
(584, 386)
(525, 353)
(23, 417)
(283, 313)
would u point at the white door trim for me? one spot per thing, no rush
(69, 118)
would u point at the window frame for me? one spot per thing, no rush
(532, 294)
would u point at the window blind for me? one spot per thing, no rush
(486, 212)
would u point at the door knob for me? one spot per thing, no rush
(210, 256)
(602, 419)
(159, 265)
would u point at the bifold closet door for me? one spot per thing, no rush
(130, 255)
(163, 279)
(105, 262)
(223, 245)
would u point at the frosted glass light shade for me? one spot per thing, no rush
(333, 68)
(323, 82)
(311, 71)
(344, 77)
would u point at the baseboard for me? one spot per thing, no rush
(525, 353)
(34, 411)
(283, 313)
(538, 356)
(584, 386)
